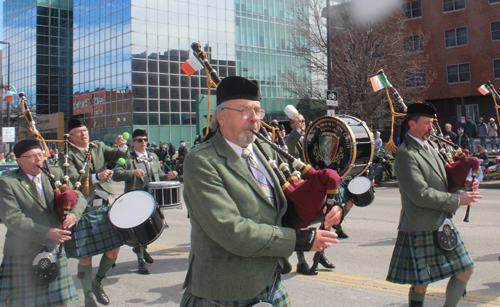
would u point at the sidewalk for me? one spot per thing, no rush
(493, 184)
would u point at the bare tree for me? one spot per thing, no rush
(358, 51)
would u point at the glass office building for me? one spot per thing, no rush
(41, 43)
(128, 53)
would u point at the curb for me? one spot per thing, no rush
(483, 185)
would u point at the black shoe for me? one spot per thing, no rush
(341, 234)
(142, 268)
(304, 269)
(325, 262)
(147, 257)
(100, 295)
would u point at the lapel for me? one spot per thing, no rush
(30, 187)
(426, 155)
(234, 163)
(48, 192)
(136, 166)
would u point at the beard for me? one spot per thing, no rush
(246, 137)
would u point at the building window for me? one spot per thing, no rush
(471, 110)
(456, 37)
(414, 43)
(496, 69)
(495, 30)
(458, 73)
(412, 9)
(416, 78)
(452, 5)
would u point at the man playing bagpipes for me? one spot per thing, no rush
(29, 210)
(141, 168)
(94, 234)
(235, 202)
(429, 247)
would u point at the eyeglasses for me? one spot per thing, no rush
(81, 131)
(141, 140)
(247, 112)
(302, 121)
(34, 156)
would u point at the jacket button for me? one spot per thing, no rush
(276, 237)
(268, 248)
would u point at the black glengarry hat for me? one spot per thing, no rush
(75, 123)
(139, 132)
(237, 88)
(24, 146)
(421, 109)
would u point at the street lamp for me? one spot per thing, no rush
(328, 46)
(8, 81)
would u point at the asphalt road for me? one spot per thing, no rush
(357, 281)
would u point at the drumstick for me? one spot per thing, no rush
(170, 170)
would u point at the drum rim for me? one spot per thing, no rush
(359, 178)
(163, 183)
(130, 192)
(353, 139)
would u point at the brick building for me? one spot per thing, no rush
(463, 44)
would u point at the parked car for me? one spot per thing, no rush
(7, 167)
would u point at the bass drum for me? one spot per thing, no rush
(344, 144)
(137, 218)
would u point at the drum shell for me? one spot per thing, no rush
(167, 194)
(365, 199)
(145, 233)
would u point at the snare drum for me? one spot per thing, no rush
(362, 192)
(137, 218)
(344, 144)
(166, 193)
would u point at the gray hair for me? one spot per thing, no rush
(214, 124)
(447, 126)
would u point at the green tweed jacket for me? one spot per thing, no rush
(26, 215)
(124, 173)
(294, 144)
(236, 233)
(423, 186)
(100, 156)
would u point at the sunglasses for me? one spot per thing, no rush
(141, 140)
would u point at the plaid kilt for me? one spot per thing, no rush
(417, 260)
(276, 296)
(93, 235)
(18, 289)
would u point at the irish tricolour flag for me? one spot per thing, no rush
(10, 93)
(379, 82)
(483, 89)
(191, 66)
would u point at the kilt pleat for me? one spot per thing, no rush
(275, 294)
(417, 260)
(18, 289)
(93, 235)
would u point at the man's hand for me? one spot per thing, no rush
(348, 205)
(323, 239)
(171, 175)
(69, 221)
(334, 217)
(472, 185)
(105, 174)
(119, 141)
(138, 173)
(59, 235)
(466, 198)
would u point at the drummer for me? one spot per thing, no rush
(141, 168)
(94, 234)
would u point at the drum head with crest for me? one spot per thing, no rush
(344, 144)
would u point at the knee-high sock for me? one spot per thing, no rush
(416, 299)
(140, 252)
(85, 276)
(454, 291)
(104, 266)
(300, 257)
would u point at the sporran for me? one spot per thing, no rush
(446, 237)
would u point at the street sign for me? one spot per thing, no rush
(8, 134)
(332, 98)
